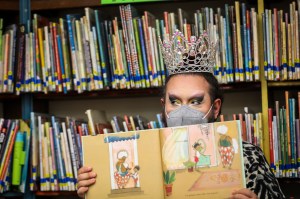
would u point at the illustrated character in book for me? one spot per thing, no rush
(200, 158)
(226, 150)
(122, 174)
(135, 175)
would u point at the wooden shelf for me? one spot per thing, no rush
(289, 180)
(132, 93)
(8, 96)
(56, 193)
(240, 86)
(284, 83)
(9, 5)
(61, 4)
(12, 194)
(100, 94)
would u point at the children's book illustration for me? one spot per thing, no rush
(198, 161)
(186, 146)
(124, 166)
(206, 152)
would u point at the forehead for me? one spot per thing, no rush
(187, 84)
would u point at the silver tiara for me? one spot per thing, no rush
(183, 56)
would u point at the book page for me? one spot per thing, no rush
(128, 165)
(202, 160)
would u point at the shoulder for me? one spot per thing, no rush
(252, 153)
(254, 159)
(258, 174)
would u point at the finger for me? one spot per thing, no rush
(86, 183)
(85, 169)
(81, 191)
(248, 193)
(239, 196)
(86, 176)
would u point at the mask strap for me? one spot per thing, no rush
(208, 111)
(167, 114)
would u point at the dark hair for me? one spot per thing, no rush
(137, 167)
(195, 145)
(215, 92)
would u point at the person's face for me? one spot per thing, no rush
(191, 90)
(198, 148)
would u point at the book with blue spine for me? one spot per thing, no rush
(102, 51)
(72, 41)
(144, 52)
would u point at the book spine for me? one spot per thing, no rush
(66, 55)
(142, 37)
(103, 58)
(85, 54)
(75, 75)
(58, 74)
(270, 116)
(127, 47)
(98, 61)
(139, 53)
(276, 45)
(20, 57)
(239, 42)
(90, 83)
(288, 133)
(245, 42)
(132, 44)
(61, 63)
(298, 145)
(48, 59)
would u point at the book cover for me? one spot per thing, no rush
(181, 162)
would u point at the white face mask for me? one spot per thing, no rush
(185, 115)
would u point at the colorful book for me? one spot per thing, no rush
(202, 154)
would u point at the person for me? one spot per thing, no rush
(135, 175)
(201, 159)
(192, 95)
(122, 174)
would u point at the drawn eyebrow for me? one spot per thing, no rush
(173, 97)
(197, 97)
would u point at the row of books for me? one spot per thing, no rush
(55, 152)
(251, 126)
(7, 57)
(98, 123)
(56, 146)
(284, 134)
(281, 43)
(85, 52)
(14, 154)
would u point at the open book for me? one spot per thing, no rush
(197, 161)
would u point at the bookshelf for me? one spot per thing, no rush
(62, 104)
(12, 5)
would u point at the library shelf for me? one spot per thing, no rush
(283, 83)
(8, 96)
(56, 193)
(62, 4)
(129, 93)
(11, 5)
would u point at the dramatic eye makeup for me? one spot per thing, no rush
(174, 100)
(196, 100)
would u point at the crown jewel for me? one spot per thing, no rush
(183, 56)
